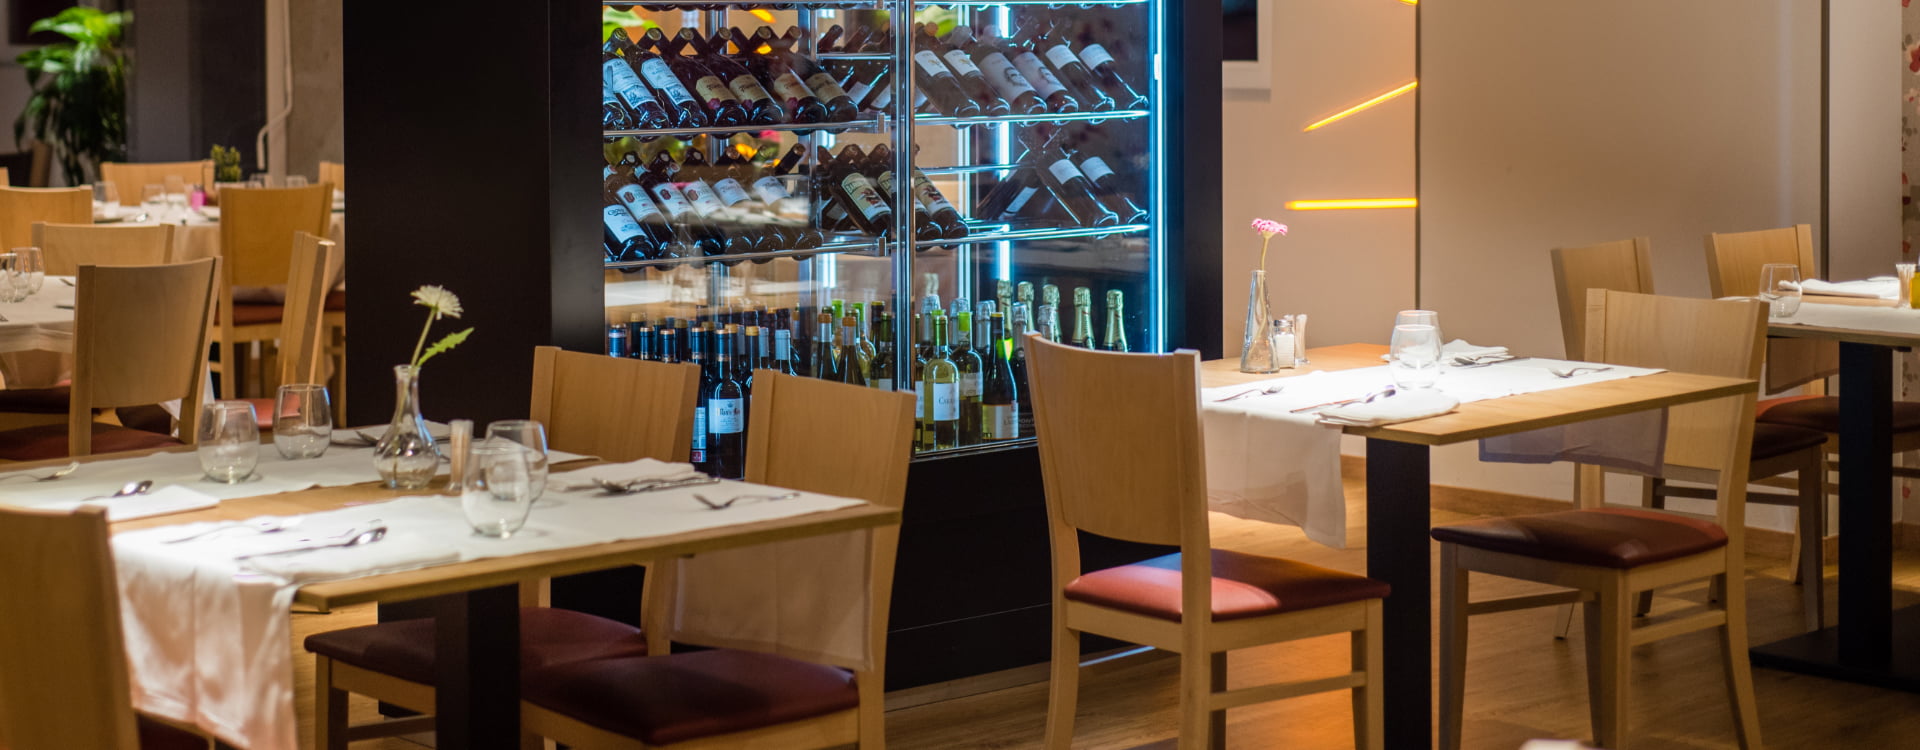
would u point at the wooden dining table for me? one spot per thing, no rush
(1398, 477)
(477, 602)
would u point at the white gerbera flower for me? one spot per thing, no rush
(439, 300)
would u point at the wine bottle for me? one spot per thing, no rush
(797, 100)
(1059, 100)
(684, 110)
(840, 106)
(998, 71)
(618, 72)
(828, 39)
(1003, 296)
(1106, 186)
(967, 361)
(982, 333)
(854, 361)
(952, 225)
(940, 393)
(972, 82)
(640, 338)
(1022, 323)
(1116, 340)
(999, 398)
(880, 165)
(1075, 193)
(696, 345)
(826, 355)
(880, 372)
(922, 347)
(760, 106)
(723, 108)
(863, 339)
(623, 237)
(772, 191)
(613, 111)
(1067, 67)
(765, 229)
(1012, 195)
(669, 346)
(942, 87)
(617, 341)
(640, 205)
(726, 417)
(783, 352)
(1049, 312)
(1106, 73)
(1082, 317)
(865, 206)
(680, 211)
(735, 238)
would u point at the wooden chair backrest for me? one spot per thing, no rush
(309, 276)
(21, 207)
(334, 173)
(63, 669)
(1706, 337)
(617, 409)
(256, 225)
(1733, 269)
(67, 247)
(129, 178)
(1622, 266)
(140, 337)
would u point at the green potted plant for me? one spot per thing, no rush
(79, 101)
(226, 169)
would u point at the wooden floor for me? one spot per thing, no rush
(1521, 682)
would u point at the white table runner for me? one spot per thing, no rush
(207, 637)
(43, 321)
(1266, 463)
(1890, 319)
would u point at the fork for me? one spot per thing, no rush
(1572, 371)
(1267, 391)
(648, 485)
(1367, 399)
(268, 525)
(737, 498)
(57, 474)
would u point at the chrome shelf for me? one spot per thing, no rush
(1007, 234)
(969, 450)
(748, 4)
(968, 169)
(855, 56)
(869, 247)
(1118, 114)
(862, 125)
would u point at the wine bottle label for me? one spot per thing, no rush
(824, 85)
(858, 92)
(661, 76)
(1062, 56)
(725, 416)
(670, 199)
(961, 63)
(928, 195)
(865, 197)
(882, 99)
(748, 89)
(930, 63)
(999, 421)
(607, 97)
(885, 384)
(969, 385)
(1037, 74)
(620, 223)
(712, 90)
(919, 98)
(703, 199)
(789, 86)
(699, 434)
(624, 83)
(1004, 78)
(1095, 169)
(1064, 171)
(1019, 201)
(946, 402)
(731, 191)
(770, 189)
(635, 199)
(885, 182)
(1094, 56)
(920, 401)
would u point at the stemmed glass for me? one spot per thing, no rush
(176, 197)
(228, 441)
(1780, 289)
(302, 421)
(496, 491)
(533, 436)
(1415, 351)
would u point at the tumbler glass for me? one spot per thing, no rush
(229, 441)
(302, 421)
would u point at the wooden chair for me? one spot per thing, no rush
(140, 338)
(1777, 450)
(21, 207)
(67, 247)
(1159, 497)
(302, 328)
(654, 701)
(1607, 555)
(63, 664)
(334, 173)
(255, 227)
(129, 178)
(618, 409)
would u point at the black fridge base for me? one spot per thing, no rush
(1818, 654)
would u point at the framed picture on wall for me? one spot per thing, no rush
(1246, 48)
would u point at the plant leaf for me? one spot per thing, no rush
(449, 341)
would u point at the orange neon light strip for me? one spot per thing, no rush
(1363, 106)
(768, 17)
(1322, 205)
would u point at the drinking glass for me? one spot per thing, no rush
(107, 195)
(1415, 351)
(33, 269)
(296, 180)
(1418, 318)
(229, 441)
(153, 202)
(1905, 272)
(13, 287)
(302, 421)
(496, 489)
(1780, 289)
(531, 435)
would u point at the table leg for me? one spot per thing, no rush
(477, 694)
(1398, 519)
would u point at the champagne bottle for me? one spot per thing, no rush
(617, 72)
(982, 333)
(942, 87)
(1083, 317)
(760, 105)
(826, 355)
(1105, 72)
(968, 363)
(880, 373)
(726, 416)
(972, 82)
(1049, 312)
(1059, 100)
(797, 100)
(1003, 296)
(1017, 352)
(855, 362)
(723, 108)
(1072, 189)
(697, 349)
(684, 110)
(999, 398)
(939, 393)
(998, 71)
(1106, 186)
(1067, 67)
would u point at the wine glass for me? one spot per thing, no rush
(496, 490)
(1780, 289)
(107, 195)
(302, 420)
(1415, 351)
(32, 268)
(228, 441)
(153, 202)
(533, 436)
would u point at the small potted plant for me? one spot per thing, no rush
(226, 170)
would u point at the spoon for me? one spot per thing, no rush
(1267, 391)
(268, 525)
(369, 536)
(57, 474)
(127, 490)
(1572, 371)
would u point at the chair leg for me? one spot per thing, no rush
(1563, 623)
(1607, 667)
(1196, 688)
(873, 710)
(1813, 531)
(1369, 702)
(1453, 647)
(329, 708)
(1064, 687)
(1733, 650)
(1652, 495)
(1217, 720)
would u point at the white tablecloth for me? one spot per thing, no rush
(40, 322)
(207, 636)
(1890, 319)
(1268, 464)
(200, 235)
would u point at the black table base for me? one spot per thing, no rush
(1818, 654)
(1398, 519)
(477, 698)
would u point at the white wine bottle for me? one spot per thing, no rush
(939, 394)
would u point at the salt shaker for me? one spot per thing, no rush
(1282, 341)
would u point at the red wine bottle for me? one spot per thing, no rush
(880, 165)
(681, 106)
(735, 238)
(999, 73)
(623, 237)
(1012, 195)
(972, 82)
(865, 205)
(840, 107)
(617, 73)
(798, 101)
(760, 105)
(678, 209)
(828, 39)
(723, 109)
(624, 190)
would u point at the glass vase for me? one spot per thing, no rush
(1256, 348)
(405, 455)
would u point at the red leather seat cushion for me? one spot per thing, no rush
(1771, 440)
(262, 411)
(1605, 537)
(1243, 586)
(157, 736)
(252, 313)
(665, 699)
(36, 400)
(405, 648)
(1823, 413)
(50, 441)
(336, 300)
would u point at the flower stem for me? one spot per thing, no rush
(415, 362)
(1264, 244)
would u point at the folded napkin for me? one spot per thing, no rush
(1880, 287)
(397, 551)
(1460, 348)
(1404, 406)
(172, 498)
